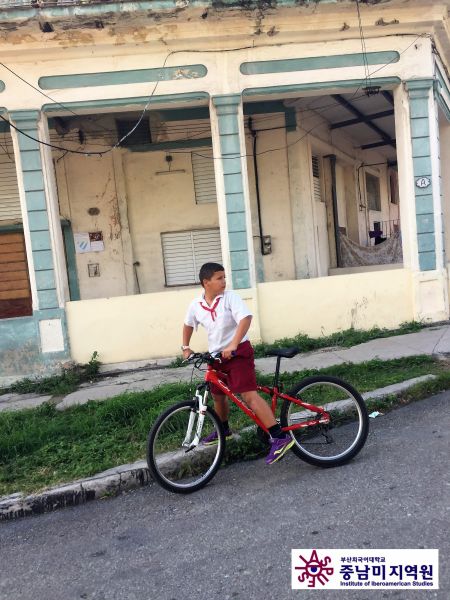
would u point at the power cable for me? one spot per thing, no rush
(101, 153)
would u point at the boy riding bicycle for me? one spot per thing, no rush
(227, 319)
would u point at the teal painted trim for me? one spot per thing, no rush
(424, 204)
(72, 273)
(43, 260)
(196, 113)
(442, 103)
(239, 260)
(20, 345)
(422, 166)
(241, 279)
(11, 228)
(236, 222)
(325, 85)
(80, 80)
(36, 200)
(426, 242)
(419, 93)
(227, 116)
(140, 101)
(235, 202)
(33, 183)
(25, 115)
(237, 241)
(419, 88)
(427, 261)
(273, 106)
(440, 87)
(314, 63)
(175, 145)
(4, 127)
(47, 299)
(425, 223)
(38, 220)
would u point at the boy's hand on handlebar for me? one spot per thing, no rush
(187, 353)
(229, 351)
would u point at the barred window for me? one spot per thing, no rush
(184, 252)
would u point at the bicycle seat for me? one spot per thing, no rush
(284, 352)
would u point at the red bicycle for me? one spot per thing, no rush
(326, 417)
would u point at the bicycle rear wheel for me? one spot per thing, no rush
(171, 464)
(335, 443)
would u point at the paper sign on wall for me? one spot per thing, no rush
(96, 239)
(89, 242)
(82, 243)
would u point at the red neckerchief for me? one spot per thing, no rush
(213, 309)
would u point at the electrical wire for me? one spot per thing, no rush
(144, 110)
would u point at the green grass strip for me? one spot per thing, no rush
(41, 447)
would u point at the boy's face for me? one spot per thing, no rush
(216, 285)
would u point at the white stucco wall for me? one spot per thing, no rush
(149, 325)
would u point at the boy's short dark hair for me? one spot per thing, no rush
(208, 269)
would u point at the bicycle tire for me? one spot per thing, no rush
(338, 442)
(169, 464)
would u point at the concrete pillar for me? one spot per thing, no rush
(42, 232)
(420, 198)
(227, 126)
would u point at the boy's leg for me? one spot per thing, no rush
(222, 409)
(260, 407)
(221, 406)
(280, 442)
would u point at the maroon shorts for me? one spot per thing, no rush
(239, 371)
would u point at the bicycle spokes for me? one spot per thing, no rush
(333, 433)
(178, 457)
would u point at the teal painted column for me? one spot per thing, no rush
(227, 110)
(36, 206)
(419, 98)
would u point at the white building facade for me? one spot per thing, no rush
(139, 140)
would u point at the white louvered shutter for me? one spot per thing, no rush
(9, 191)
(317, 184)
(204, 177)
(184, 252)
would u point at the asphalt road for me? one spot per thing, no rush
(233, 539)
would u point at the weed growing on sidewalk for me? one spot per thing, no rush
(64, 383)
(41, 447)
(344, 339)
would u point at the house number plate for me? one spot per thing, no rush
(423, 182)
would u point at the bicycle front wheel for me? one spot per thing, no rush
(328, 444)
(171, 462)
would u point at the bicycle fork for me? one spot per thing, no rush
(201, 402)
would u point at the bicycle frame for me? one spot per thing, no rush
(212, 376)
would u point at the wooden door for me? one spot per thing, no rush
(15, 294)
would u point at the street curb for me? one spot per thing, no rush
(120, 479)
(110, 483)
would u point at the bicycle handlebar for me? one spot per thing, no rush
(198, 358)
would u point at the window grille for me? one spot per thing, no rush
(204, 177)
(184, 252)
(317, 180)
(373, 192)
(9, 191)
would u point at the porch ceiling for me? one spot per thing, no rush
(367, 121)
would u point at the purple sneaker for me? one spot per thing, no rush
(212, 438)
(278, 448)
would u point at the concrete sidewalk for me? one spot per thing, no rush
(434, 341)
(143, 376)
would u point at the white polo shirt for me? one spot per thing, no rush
(220, 318)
